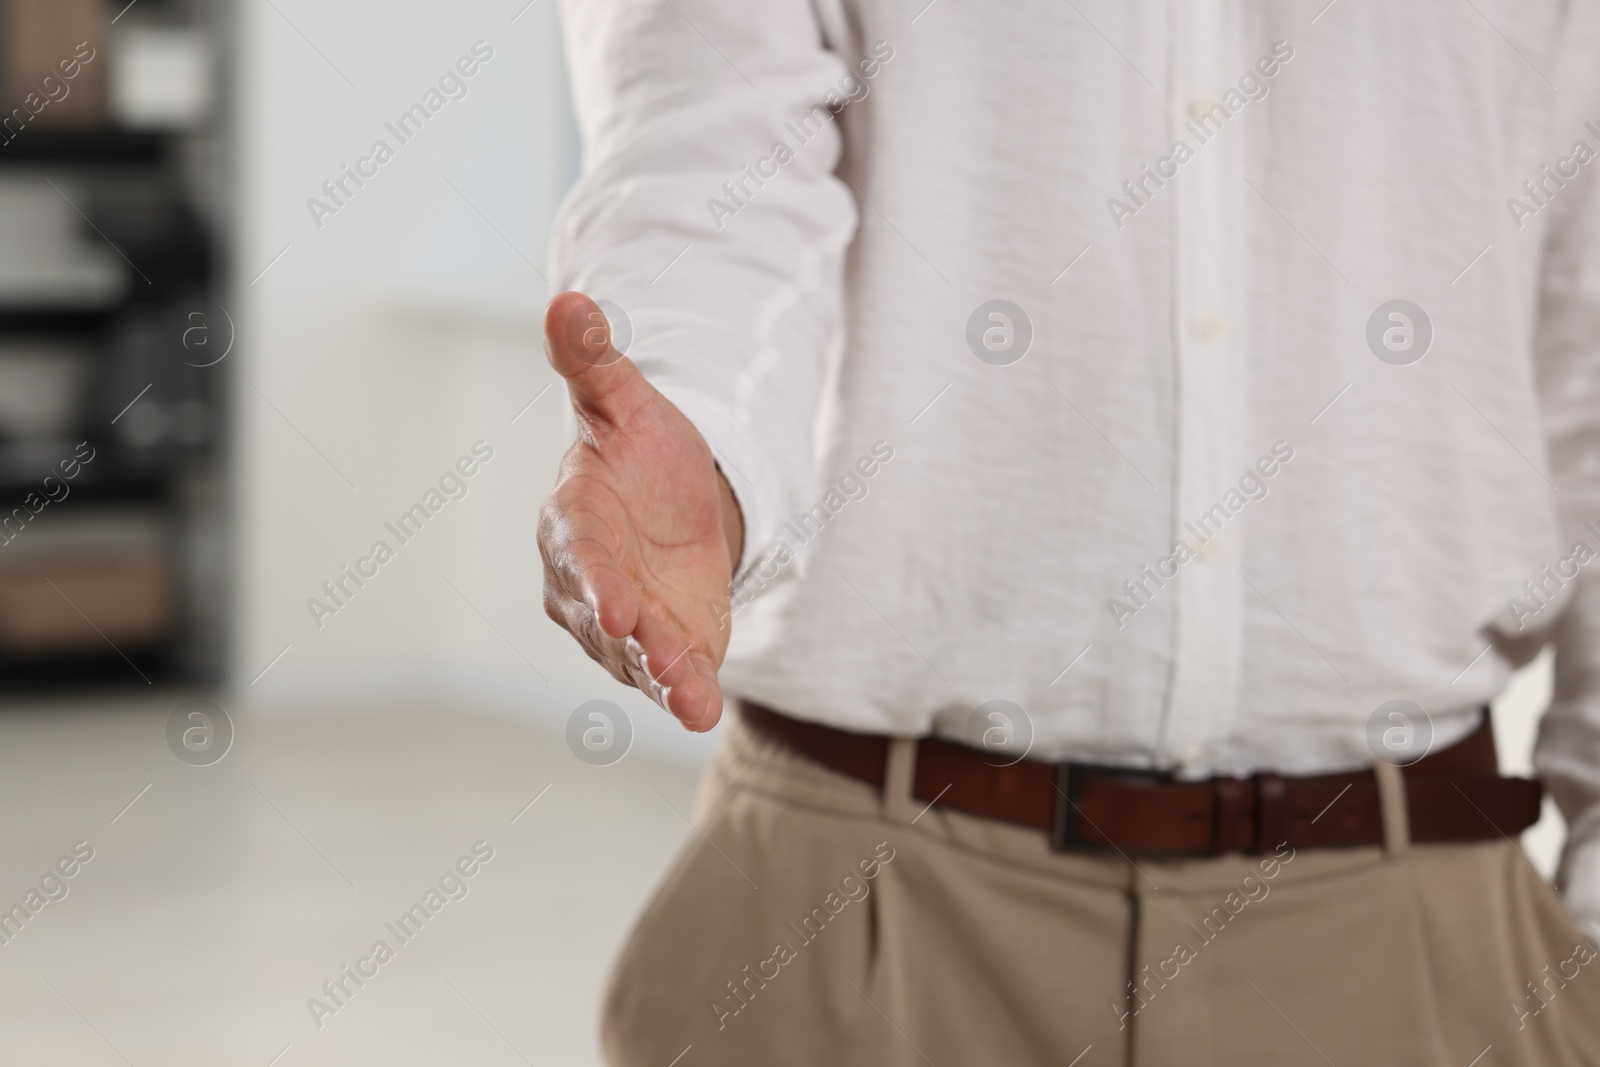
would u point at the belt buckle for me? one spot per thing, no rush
(1065, 830)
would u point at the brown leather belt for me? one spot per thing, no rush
(1455, 794)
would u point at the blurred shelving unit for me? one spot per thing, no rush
(113, 341)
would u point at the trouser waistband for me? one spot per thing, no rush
(1454, 794)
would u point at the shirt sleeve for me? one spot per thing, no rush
(708, 211)
(1567, 351)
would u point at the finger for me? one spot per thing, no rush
(578, 619)
(695, 701)
(640, 644)
(590, 576)
(664, 649)
(626, 657)
(579, 561)
(684, 685)
(699, 701)
(675, 662)
(600, 380)
(694, 696)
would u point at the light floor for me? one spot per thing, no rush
(224, 897)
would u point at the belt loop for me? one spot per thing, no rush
(899, 775)
(1392, 806)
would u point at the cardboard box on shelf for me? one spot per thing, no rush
(72, 579)
(54, 64)
(81, 606)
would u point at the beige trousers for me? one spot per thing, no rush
(814, 922)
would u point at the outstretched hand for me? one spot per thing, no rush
(641, 534)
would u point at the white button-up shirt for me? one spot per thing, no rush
(1196, 378)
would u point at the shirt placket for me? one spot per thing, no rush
(1211, 389)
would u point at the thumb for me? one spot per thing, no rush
(577, 341)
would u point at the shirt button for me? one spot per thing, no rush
(1192, 755)
(1200, 106)
(1208, 328)
(1207, 549)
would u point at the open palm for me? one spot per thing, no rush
(641, 533)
